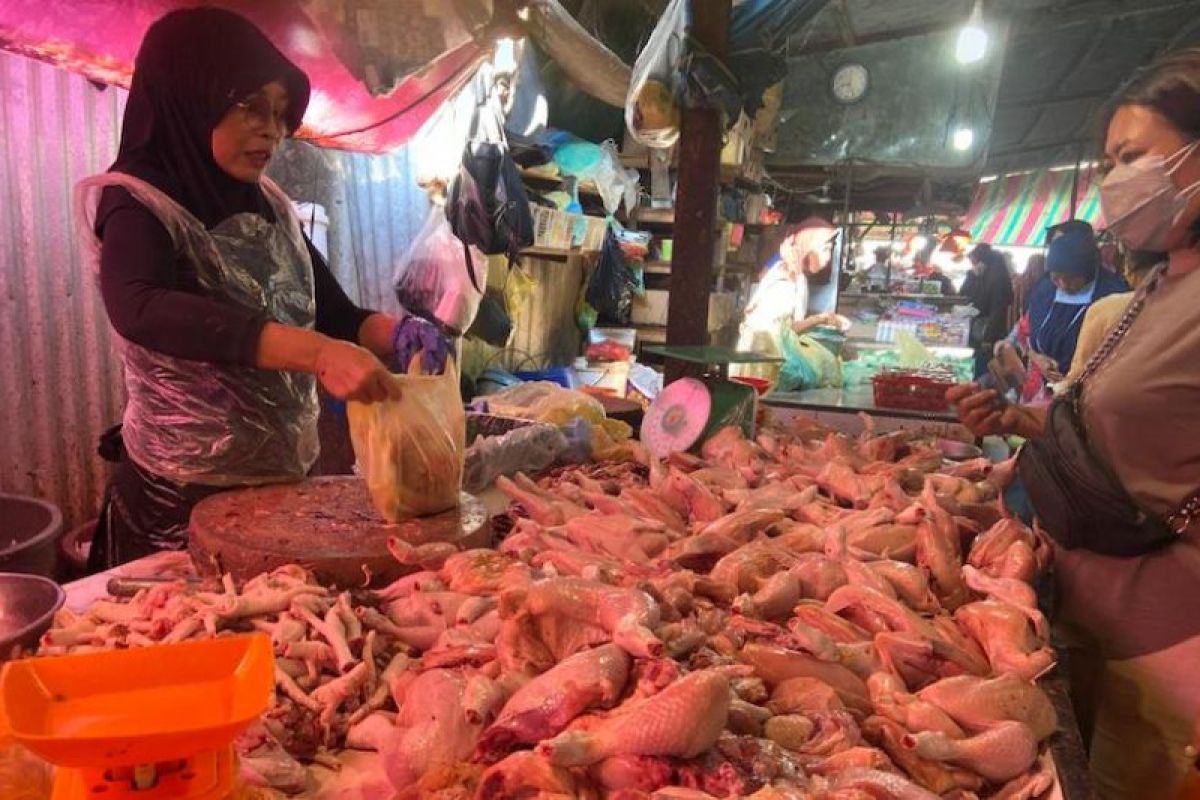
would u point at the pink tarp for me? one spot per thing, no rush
(99, 39)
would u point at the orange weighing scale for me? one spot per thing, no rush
(145, 724)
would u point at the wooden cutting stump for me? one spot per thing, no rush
(325, 524)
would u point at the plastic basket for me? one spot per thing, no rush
(912, 390)
(552, 228)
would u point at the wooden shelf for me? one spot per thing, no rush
(650, 334)
(656, 267)
(551, 252)
(654, 216)
(557, 181)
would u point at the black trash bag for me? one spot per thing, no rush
(611, 286)
(492, 323)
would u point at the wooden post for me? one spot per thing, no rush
(695, 229)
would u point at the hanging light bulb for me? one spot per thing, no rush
(972, 39)
(963, 139)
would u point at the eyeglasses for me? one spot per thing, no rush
(259, 111)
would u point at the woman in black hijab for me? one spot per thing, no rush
(228, 315)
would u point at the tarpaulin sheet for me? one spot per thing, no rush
(1016, 209)
(99, 38)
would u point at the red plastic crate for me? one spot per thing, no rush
(913, 390)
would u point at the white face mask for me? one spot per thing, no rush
(1141, 204)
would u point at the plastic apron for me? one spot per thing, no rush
(209, 424)
(780, 300)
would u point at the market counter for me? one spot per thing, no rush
(840, 409)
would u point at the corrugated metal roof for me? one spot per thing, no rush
(59, 374)
(60, 382)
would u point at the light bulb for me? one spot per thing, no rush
(963, 139)
(972, 39)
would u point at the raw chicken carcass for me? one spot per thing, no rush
(892, 700)
(1008, 636)
(628, 616)
(526, 775)
(999, 754)
(546, 705)
(543, 507)
(776, 665)
(682, 720)
(432, 728)
(979, 703)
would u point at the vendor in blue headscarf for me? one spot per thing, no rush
(1058, 305)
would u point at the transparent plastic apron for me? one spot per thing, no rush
(212, 424)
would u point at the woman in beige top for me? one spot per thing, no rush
(1136, 620)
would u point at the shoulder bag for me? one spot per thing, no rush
(1077, 497)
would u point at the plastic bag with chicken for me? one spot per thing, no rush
(410, 451)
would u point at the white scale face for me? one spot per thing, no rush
(677, 417)
(850, 83)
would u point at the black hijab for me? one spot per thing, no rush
(193, 66)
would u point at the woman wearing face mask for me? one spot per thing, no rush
(227, 314)
(1113, 468)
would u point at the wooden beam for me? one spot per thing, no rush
(695, 231)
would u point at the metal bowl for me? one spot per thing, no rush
(954, 450)
(27, 607)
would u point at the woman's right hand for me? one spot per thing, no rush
(981, 412)
(350, 372)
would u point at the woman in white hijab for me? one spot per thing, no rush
(781, 298)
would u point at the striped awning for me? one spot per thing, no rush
(1017, 209)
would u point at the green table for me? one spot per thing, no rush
(710, 356)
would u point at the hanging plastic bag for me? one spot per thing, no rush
(652, 109)
(807, 363)
(432, 281)
(410, 451)
(614, 182)
(611, 286)
(492, 324)
(518, 287)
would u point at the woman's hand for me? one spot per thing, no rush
(350, 372)
(1047, 366)
(983, 414)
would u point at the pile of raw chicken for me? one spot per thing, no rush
(802, 616)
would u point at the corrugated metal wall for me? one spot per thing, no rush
(59, 374)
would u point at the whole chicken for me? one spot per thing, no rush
(683, 720)
(431, 730)
(1006, 636)
(979, 703)
(627, 616)
(546, 705)
(999, 754)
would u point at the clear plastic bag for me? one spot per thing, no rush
(432, 280)
(529, 449)
(652, 107)
(410, 451)
(614, 182)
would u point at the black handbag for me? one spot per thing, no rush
(1076, 495)
(487, 205)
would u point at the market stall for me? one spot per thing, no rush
(561, 549)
